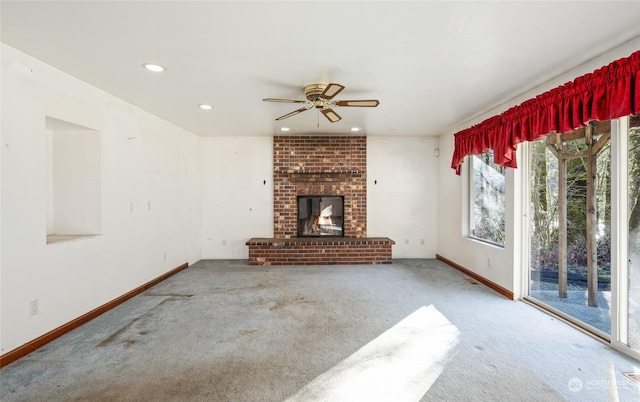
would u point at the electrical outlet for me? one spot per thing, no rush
(489, 261)
(406, 241)
(33, 307)
(422, 242)
(130, 206)
(149, 205)
(164, 257)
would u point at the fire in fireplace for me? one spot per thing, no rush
(320, 215)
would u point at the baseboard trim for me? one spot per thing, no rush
(29, 347)
(505, 292)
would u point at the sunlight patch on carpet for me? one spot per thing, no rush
(399, 365)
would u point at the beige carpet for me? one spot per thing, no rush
(224, 331)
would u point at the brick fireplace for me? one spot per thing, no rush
(311, 165)
(319, 166)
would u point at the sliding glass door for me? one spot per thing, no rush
(584, 229)
(570, 221)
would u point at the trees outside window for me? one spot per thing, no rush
(633, 198)
(487, 184)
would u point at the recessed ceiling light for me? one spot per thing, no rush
(355, 128)
(204, 106)
(284, 128)
(156, 68)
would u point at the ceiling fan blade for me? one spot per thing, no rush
(331, 90)
(358, 103)
(284, 100)
(331, 115)
(302, 109)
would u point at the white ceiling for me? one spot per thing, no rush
(431, 64)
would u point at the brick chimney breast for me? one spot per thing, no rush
(319, 165)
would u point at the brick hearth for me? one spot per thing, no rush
(326, 251)
(319, 166)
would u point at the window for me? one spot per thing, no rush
(487, 184)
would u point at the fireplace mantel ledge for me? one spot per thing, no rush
(327, 240)
(293, 171)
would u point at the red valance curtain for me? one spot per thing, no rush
(608, 93)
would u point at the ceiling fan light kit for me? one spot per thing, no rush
(320, 96)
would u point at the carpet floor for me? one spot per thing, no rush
(414, 330)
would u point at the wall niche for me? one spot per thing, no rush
(73, 178)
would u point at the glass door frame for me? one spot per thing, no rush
(620, 237)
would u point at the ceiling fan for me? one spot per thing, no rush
(321, 96)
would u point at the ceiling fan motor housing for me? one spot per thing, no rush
(313, 92)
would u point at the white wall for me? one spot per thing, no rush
(237, 194)
(507, 265)
(237, 205)
(491, 262)
(150, 203)
(402, 201)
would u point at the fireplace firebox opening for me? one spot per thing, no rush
(320, 216)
